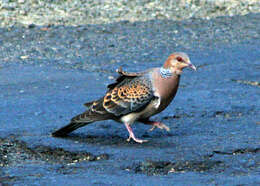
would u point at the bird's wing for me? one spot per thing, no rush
(95, 112)
(123, 75)
(130, 93)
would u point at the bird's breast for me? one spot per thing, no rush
(166, 88)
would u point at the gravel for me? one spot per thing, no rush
(79, 12)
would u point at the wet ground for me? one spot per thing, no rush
(47, 73)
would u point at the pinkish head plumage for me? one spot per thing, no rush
(178, 61)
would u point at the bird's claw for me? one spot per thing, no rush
(151, 129)
(160, 126)
(136, 139)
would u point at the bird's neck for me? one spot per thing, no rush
(169, 72)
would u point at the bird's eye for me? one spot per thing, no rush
(179, 59)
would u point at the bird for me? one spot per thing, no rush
(135, 97)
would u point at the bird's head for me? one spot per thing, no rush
(176, 62)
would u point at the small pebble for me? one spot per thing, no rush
(21, 1)
(24, 57)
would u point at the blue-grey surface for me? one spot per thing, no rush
(46, 75)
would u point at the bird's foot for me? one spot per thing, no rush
(136, 139)
(159, 125)
(132, 136)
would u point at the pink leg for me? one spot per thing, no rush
(131, 135)
(156, 124)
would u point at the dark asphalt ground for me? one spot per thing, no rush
(47, 73)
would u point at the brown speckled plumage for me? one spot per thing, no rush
(135, 97)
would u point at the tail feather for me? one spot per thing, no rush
(96, 113)
(69, 128)
(76, 122)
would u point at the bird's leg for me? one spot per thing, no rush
(131, 134)
(156, 124)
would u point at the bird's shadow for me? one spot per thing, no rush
(161, 139)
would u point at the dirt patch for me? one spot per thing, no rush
(246, 82)
(238, 151)
(164, 167)
(13, 151)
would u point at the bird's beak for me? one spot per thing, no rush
(192, 66)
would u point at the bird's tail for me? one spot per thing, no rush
(96, 112)
(69, 128)
(75, 123)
